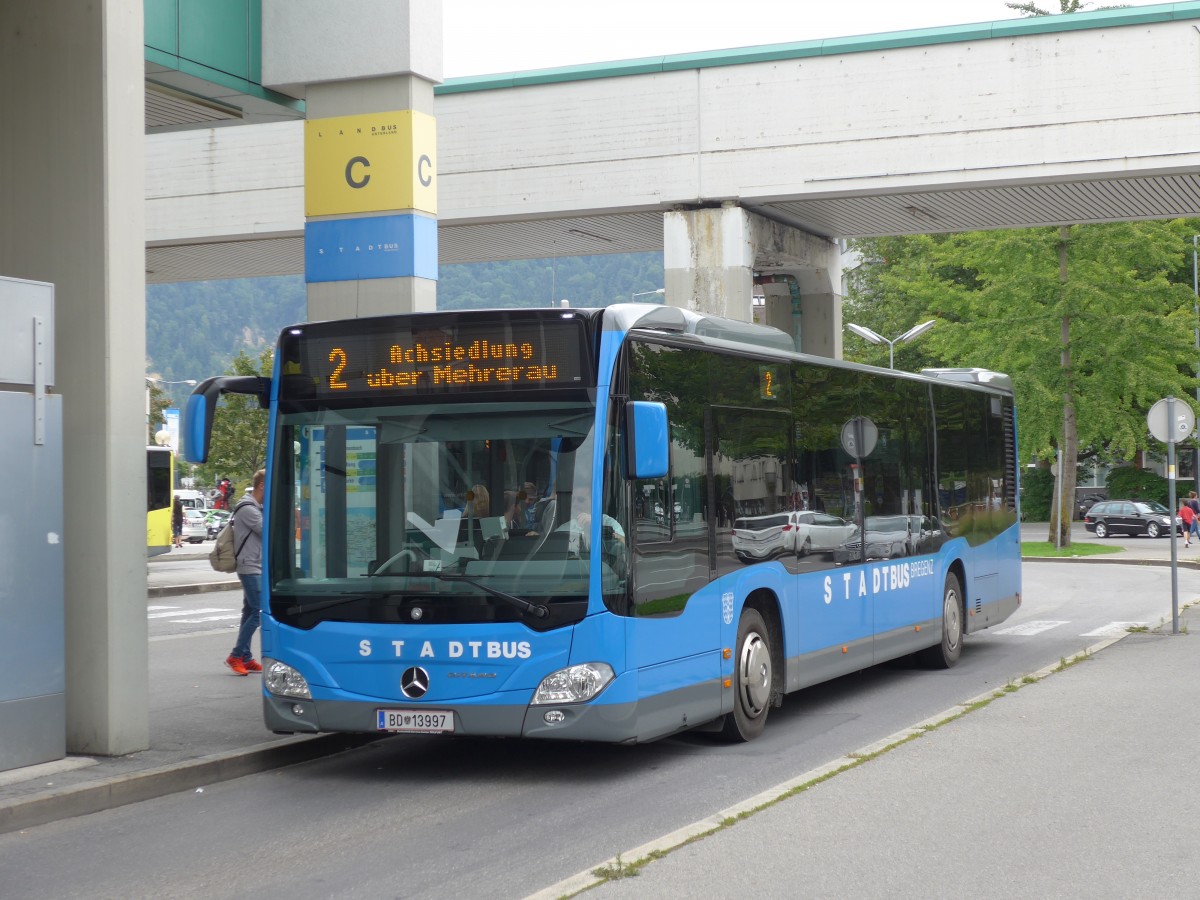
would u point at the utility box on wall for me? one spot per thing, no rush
(32, 641)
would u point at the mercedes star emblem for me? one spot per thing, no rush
(414, 682)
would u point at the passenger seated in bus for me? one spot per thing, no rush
(519, 517)
(479, 507)
(580, 521)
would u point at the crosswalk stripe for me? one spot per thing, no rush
(1028, 628)
(1112, 629)
(188, 612)
(235, 616)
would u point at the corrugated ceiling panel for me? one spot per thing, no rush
(164, 109)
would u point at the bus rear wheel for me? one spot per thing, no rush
(753, 675)
(946, 653)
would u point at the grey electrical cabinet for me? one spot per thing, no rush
(32, 640)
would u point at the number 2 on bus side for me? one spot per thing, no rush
(423, 721)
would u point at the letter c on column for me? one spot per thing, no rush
(424, 176)
(365, 163)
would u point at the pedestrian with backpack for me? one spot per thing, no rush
(247, 537)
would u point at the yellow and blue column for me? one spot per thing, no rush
(370, 197)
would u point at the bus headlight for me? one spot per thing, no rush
(574, 684)
(285, 681)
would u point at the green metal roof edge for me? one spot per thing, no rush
(224, 79)
(1004, 28)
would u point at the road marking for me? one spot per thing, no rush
(1029, 628)
(235, 616)
(189, 635)
(1113, 628)
(188, 612)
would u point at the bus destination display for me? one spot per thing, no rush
(499, 356)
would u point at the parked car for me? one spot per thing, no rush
(195, 530)
(757, 538)
(1086, 502)
(888, 537)
(1146, 517)
(809, 531)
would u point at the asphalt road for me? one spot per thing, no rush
(441, 817)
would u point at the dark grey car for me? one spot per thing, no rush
(1146, 517)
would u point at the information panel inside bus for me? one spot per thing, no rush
(416, 358)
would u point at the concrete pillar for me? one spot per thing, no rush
(708, 261)
(366, 69)
(72, 213)
(713, 257)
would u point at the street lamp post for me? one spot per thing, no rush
(151, 380)
(868, 335)
(1196, 314)
(637, 294)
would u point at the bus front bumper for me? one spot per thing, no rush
(610, 722)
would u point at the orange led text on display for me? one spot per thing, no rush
(437, 365)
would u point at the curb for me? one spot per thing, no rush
(702, 828)
(205, 587)
(1114, 561)
(133, 787)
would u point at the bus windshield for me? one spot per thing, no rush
(436, 512)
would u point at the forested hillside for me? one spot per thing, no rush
(194, 330)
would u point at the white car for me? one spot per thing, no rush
(888, 537)
(760, 537)
(809, 531)
(195, 529)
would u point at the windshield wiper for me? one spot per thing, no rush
(535, 609)
(327, 604)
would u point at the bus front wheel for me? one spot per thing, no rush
(946, 653)
(752, 679)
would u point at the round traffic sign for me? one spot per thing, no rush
(1159, 420)
(859, 436)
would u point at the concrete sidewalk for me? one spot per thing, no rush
(1078, 785)
(206, 725)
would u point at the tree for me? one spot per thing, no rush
(158, 401)
(1085, 318)
(239, 430)
(1065, 7)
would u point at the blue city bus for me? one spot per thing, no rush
(610, 524)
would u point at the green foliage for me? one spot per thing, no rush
(159, 401)
(194, 330)
(1128, 483)
(1065, 7)
(239, 431)
(1126, 305)
(586, 281)
(1037, 494)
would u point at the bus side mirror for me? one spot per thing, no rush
(198, 414)
(648, 439)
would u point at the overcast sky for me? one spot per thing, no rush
(491, 36)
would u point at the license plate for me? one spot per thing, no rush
(418, 721)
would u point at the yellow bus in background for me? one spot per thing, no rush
(160, 477)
